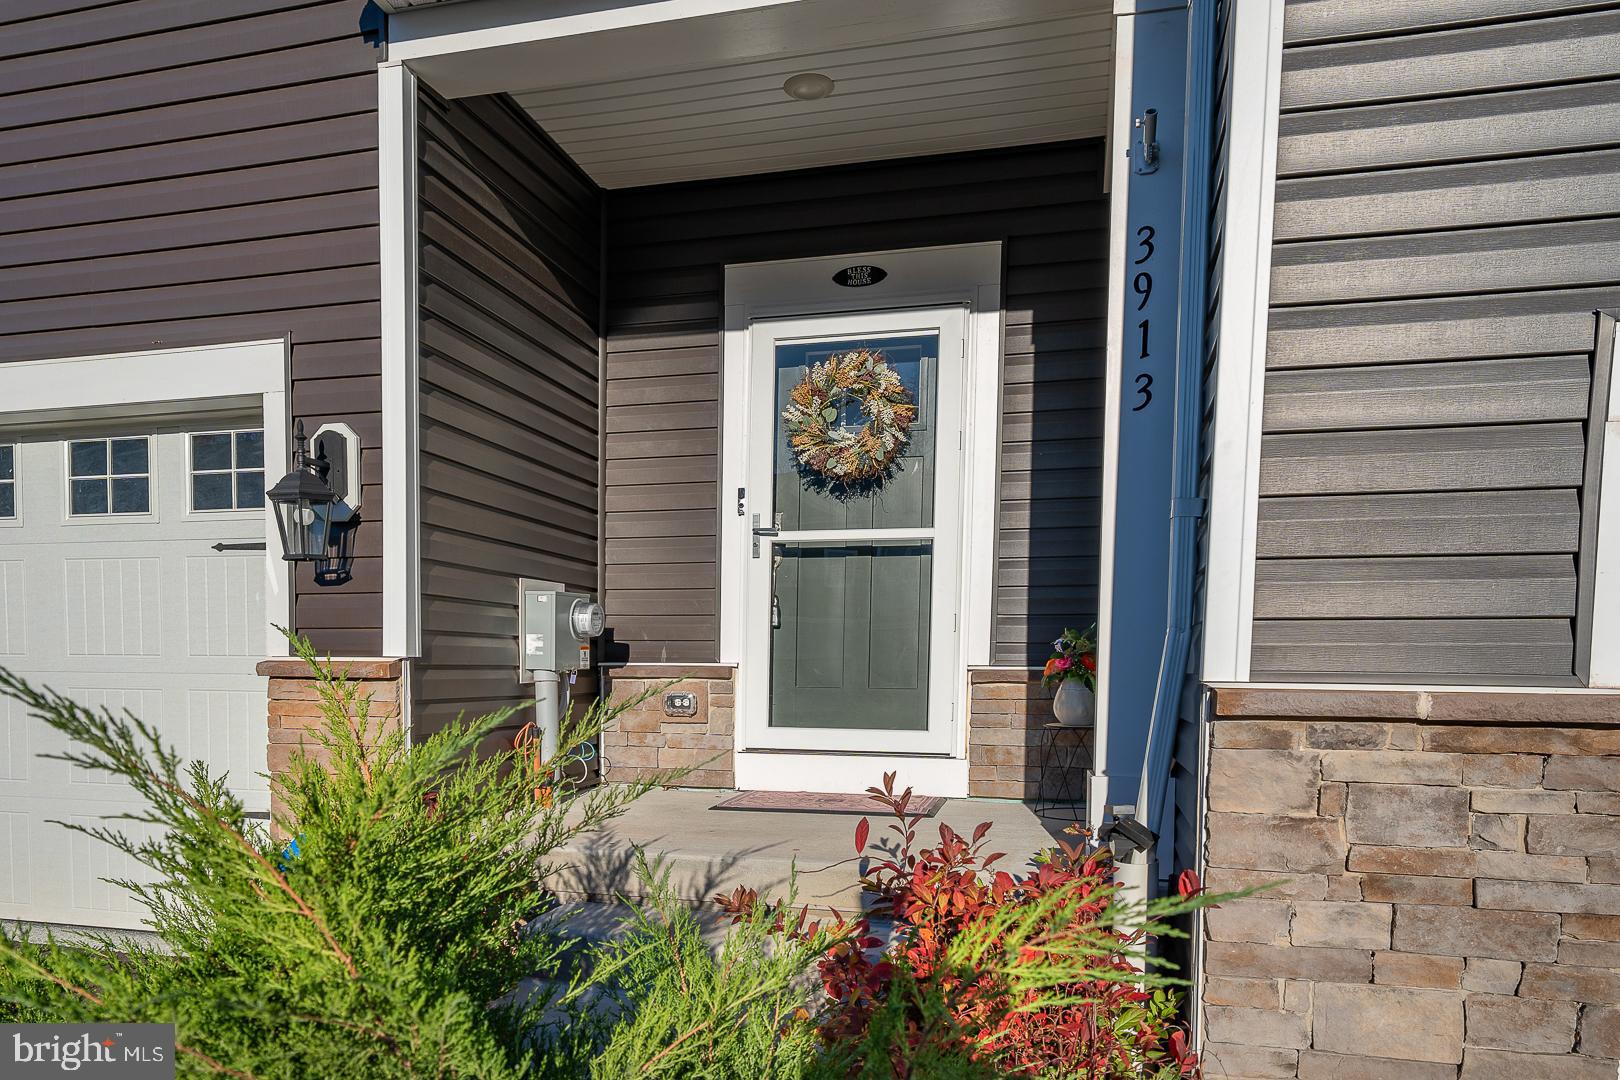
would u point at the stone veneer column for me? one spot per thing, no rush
(295, 706)
(647, 739)
(1446, 897)
(1007, 708)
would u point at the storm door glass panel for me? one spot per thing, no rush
(901, 499)
(850, 635)
(850, 618)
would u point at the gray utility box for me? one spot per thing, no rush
(556, 627)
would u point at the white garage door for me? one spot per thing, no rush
(131, 576)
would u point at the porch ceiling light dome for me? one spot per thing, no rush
(808, 86)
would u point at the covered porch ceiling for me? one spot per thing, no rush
(662, 92)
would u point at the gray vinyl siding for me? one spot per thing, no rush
(1447, 222)
(510, 240)
(191, 172)
(666, 251)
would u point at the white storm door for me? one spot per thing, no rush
(852, 605)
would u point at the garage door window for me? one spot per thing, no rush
(109, 476)
(227, 470)
(8, 481)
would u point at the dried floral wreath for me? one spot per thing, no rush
(849, 456)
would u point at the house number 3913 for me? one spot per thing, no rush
(1142, 286)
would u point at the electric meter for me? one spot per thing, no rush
(557, 627)
(587, 619)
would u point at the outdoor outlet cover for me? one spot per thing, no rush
(680, 703)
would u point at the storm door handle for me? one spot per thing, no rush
(759, 532)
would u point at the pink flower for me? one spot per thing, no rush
(1062, 663)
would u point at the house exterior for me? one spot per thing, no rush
(1275, 338)
(1404, 628)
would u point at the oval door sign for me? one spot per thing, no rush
(858, 277)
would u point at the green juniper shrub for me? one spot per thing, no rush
(660, 1001)
(397, 938)
(385, 944)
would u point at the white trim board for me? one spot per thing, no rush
(141, 380)
(1240, 368)
(1118, 173)
(440, 31)
(251, 374)
(1603, 650)
(401, 404)
(1417, 688)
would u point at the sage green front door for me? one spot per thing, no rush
(855, 442)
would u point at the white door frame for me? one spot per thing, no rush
(249, 375)
(966, 276)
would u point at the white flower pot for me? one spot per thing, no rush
(1073, 705)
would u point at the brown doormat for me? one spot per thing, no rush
(816, 802)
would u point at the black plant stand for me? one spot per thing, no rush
(1062, 771)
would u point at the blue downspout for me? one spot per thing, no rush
(1186, 507)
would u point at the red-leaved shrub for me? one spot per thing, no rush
(990, 973)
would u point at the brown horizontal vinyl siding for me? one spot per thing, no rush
(509, 372)
(667, 248)
(189, 172)
(1447, 221)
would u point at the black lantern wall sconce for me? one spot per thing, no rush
(318, 503)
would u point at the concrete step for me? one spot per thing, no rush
(707, 852)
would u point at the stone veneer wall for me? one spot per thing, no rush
(1007, 710)
(646, 739)
(1008, 707)
(295, 708)
(1450, 903)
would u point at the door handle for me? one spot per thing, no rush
(759, 532)
(257, 545)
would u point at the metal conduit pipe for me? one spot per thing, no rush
(1186, 507)
(548, 711)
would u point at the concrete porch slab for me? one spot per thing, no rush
(708, 851)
